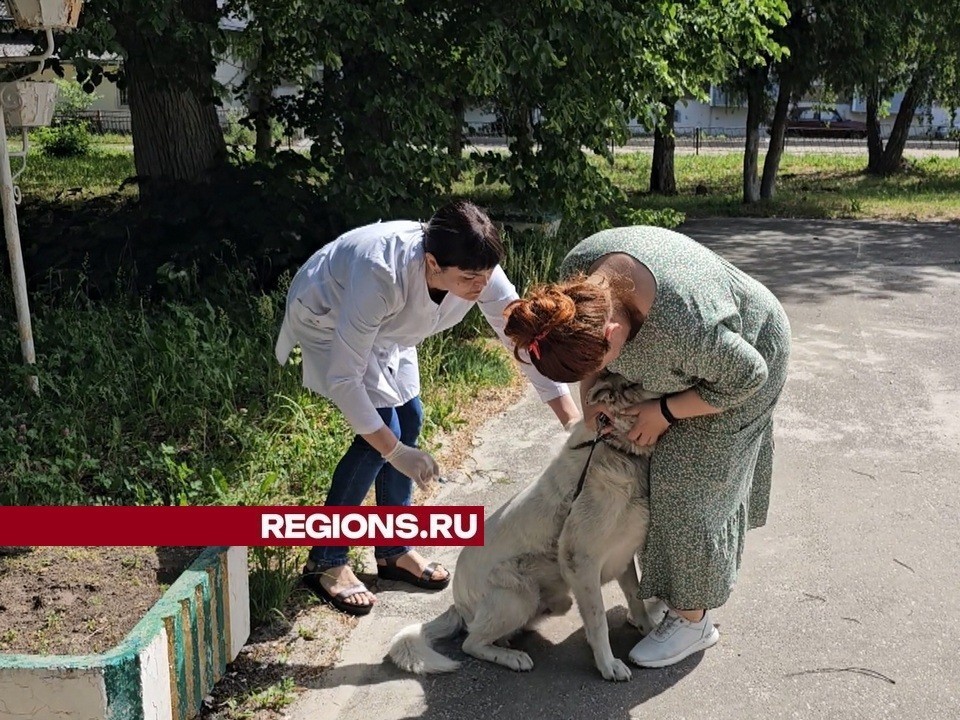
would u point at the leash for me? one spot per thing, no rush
(602, 422)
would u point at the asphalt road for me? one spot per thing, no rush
(847, 601)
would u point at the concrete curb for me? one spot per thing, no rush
(160, 671)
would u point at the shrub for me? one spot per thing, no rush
(71, 139)
(665, 218)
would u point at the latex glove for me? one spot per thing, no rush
(415, 464)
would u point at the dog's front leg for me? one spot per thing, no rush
(630, 584)
(582, 573)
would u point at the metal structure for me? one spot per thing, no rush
(27, 103)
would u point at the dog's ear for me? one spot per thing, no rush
(634, 394)
(604, 389)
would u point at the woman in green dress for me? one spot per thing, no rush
(662, 310)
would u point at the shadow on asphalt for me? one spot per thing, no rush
(564, 682)
(873, 260)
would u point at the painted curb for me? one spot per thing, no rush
(160, 671)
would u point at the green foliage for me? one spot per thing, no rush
(664, 217)
(237, 132)
(140, 404)
(378, 111)
(571, 77)
(71, 139)
(72, 98)
(269, 217)
(274, 573)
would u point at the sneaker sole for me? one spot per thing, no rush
(707, 642)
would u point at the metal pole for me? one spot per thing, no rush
(12, 231)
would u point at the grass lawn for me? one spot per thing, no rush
(809, 185)
(815, 186)
(100, 172)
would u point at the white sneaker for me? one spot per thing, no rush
(674, 639)
(653, 611)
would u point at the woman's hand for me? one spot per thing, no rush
(649, 423)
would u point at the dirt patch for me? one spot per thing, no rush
(86, 599)
(80, 600)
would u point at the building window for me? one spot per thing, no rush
(718, 98)
(122, 97)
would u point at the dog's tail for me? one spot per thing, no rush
(410, 648)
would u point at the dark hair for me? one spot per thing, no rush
(461, 235)
(562, 327)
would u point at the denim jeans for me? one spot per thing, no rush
(361, 467)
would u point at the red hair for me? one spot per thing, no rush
(562, 327)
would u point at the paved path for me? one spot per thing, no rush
(848, 600)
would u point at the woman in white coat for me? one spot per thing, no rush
(357, 309)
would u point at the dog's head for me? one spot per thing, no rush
(618, 393)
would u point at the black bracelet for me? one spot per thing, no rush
(665, 411)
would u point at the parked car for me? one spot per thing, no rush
(823, 123)
(945, 132)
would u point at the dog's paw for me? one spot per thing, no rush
(618, 671)
(517, 660)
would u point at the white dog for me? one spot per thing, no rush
(544, 543)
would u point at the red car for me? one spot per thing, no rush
(823, 123)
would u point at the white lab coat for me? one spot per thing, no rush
(358, 308)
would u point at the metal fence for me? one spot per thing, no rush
(688, 139)
(101, 122)
(697, 140)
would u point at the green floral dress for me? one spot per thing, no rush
(714, 328)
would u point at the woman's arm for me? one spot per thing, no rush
(565, 409)
(650, 422)
(499, 293)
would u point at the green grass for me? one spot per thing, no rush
(98, 173)
(809, 185)
(815, 186)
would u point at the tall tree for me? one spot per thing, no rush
(755, 82)
(795, 71)
(588, 68)
(167, 49)
(276, 43)
(712, 38)
(878, 48)
(663, 180)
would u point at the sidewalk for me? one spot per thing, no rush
(847, 600)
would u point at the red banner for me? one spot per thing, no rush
(221, 525)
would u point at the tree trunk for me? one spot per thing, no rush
(520, 129)
(751, 152)
(262, 100)
(455, 139)
(771, 165)
(364, 129)
(892, 158)
(663, 180)
(874, 138)
(176, 132)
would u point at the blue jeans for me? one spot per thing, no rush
(360, 467)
